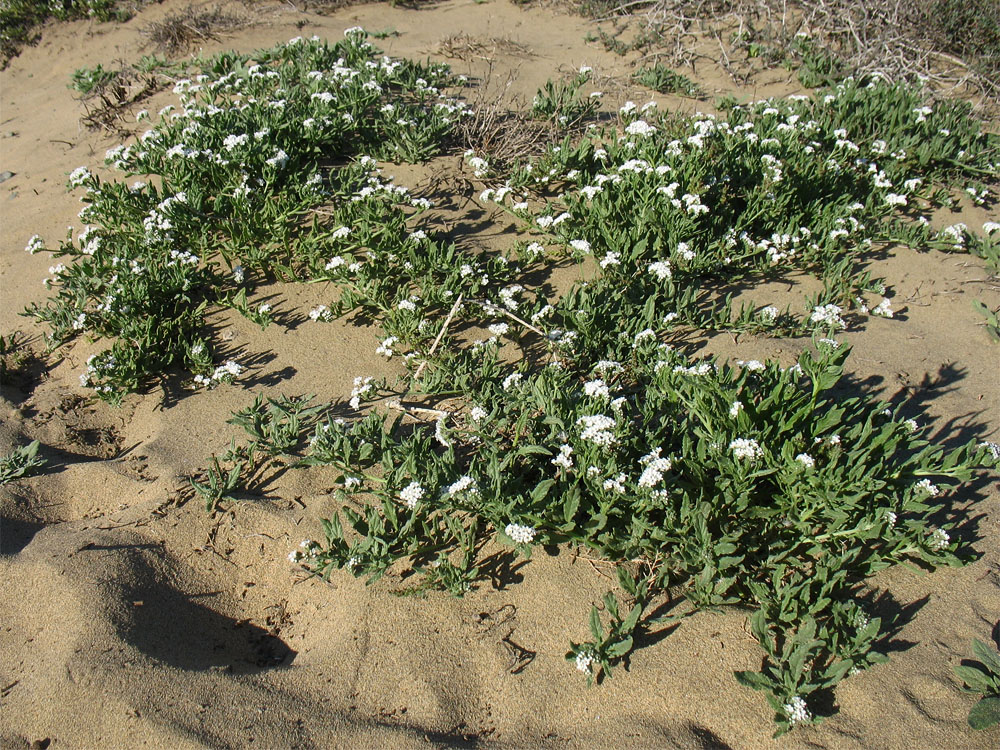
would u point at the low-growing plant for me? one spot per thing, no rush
(983, 680)
(19, 19)
(992, 317)
(86, 81)
(666, 81)
(562, 103)
(595, 658)
(21, 462)
(239, 187)
(276, 425)
(217, 483)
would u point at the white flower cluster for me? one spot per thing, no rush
(585, 661)
(924, 487)
(385, 348)
(746, 449)
(411, 494)
(512, 380)
(224, 373)
(797, 711)
(656, 467)
(597, 389)
(362, 387)
(661, 269)
(307, 549)
(520, 534)
(321, 313)
(828, 315)
(938, 539)
(463, 484)
(616, 483)
(35, 244)
(597, 429)
(564, 459)
(806, 460)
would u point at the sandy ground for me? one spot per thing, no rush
(128, 621)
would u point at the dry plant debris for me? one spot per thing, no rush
(178, 31)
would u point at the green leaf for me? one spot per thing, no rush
(595, 624)
(987, 656)
(753, 680)
(620, 648)
(986, 713)
(628, 625)
(975, 678)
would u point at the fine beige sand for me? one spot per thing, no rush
(128, 620)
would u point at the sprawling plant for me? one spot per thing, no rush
(580, 420)
(259, 143)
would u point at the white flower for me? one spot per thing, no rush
(464, 483)
(498, 329)
(828, 314)
(321, 313)
(806, 460)
(511, 380)
(754, 365)
(597, 389)
(226, 372)
(992, 448)
(478, 414)
(597, 429)
(746, 448)
(34, 245)
(279, 160)
(232, 141)
(385, 348)
(611, 259)
(797, 711)
(340, 233)
(411, 494)
(768, 314)
(883, 309)
(895, 199)
(939, 539)
(354, 30)
(990, 227)
(564, 459)
(585, 662)
(617, 484)
(925, 487)
(890, 518)
(520, 534)
(79, 177)
(362, 386)
(640, 127)
(735, 409)
(661, 269)
(581, 245)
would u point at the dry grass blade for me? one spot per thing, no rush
(499, 127)
(465, 47)
(954, 44)
(178, 31)
(117, 95)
